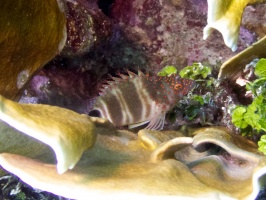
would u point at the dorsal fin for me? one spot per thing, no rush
(123, 76)
(116, 80)
(131, 74)
(140, 73)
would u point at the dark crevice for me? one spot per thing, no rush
(105, 6)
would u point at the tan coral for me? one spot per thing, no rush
(32, 33)
(225, 16)
(228, 167)
(233, 68)
(66, 132)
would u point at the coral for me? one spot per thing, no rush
(233, 67)
(171, 164)
(34, 120)
(28, 29)
(225, 16)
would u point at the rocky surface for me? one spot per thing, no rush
(139, 34)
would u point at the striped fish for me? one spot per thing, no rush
(135, 100)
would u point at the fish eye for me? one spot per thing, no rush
(177, 86)
(95, 113)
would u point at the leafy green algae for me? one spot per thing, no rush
(195, 71)
(167, 71)
(253, 116)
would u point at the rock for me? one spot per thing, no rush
(64, 87)
(87, 26)
(170, 32)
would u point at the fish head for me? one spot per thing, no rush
(181, 86)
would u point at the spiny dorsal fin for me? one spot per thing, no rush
(123, 76)
(140, 73)
(131, 74)
(116, 80)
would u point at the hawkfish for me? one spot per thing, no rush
(138, 99)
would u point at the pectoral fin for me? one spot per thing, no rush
(157, 122)
(137, 124)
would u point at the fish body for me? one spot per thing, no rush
(138, 99)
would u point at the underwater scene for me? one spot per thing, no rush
(126, 99)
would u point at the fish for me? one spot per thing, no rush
(136, 99)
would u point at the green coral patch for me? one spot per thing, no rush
(260, 69)
(262, 144)
(238, 117)
(195, 71)
(167, 71)
(257, 87)
(253, 116)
